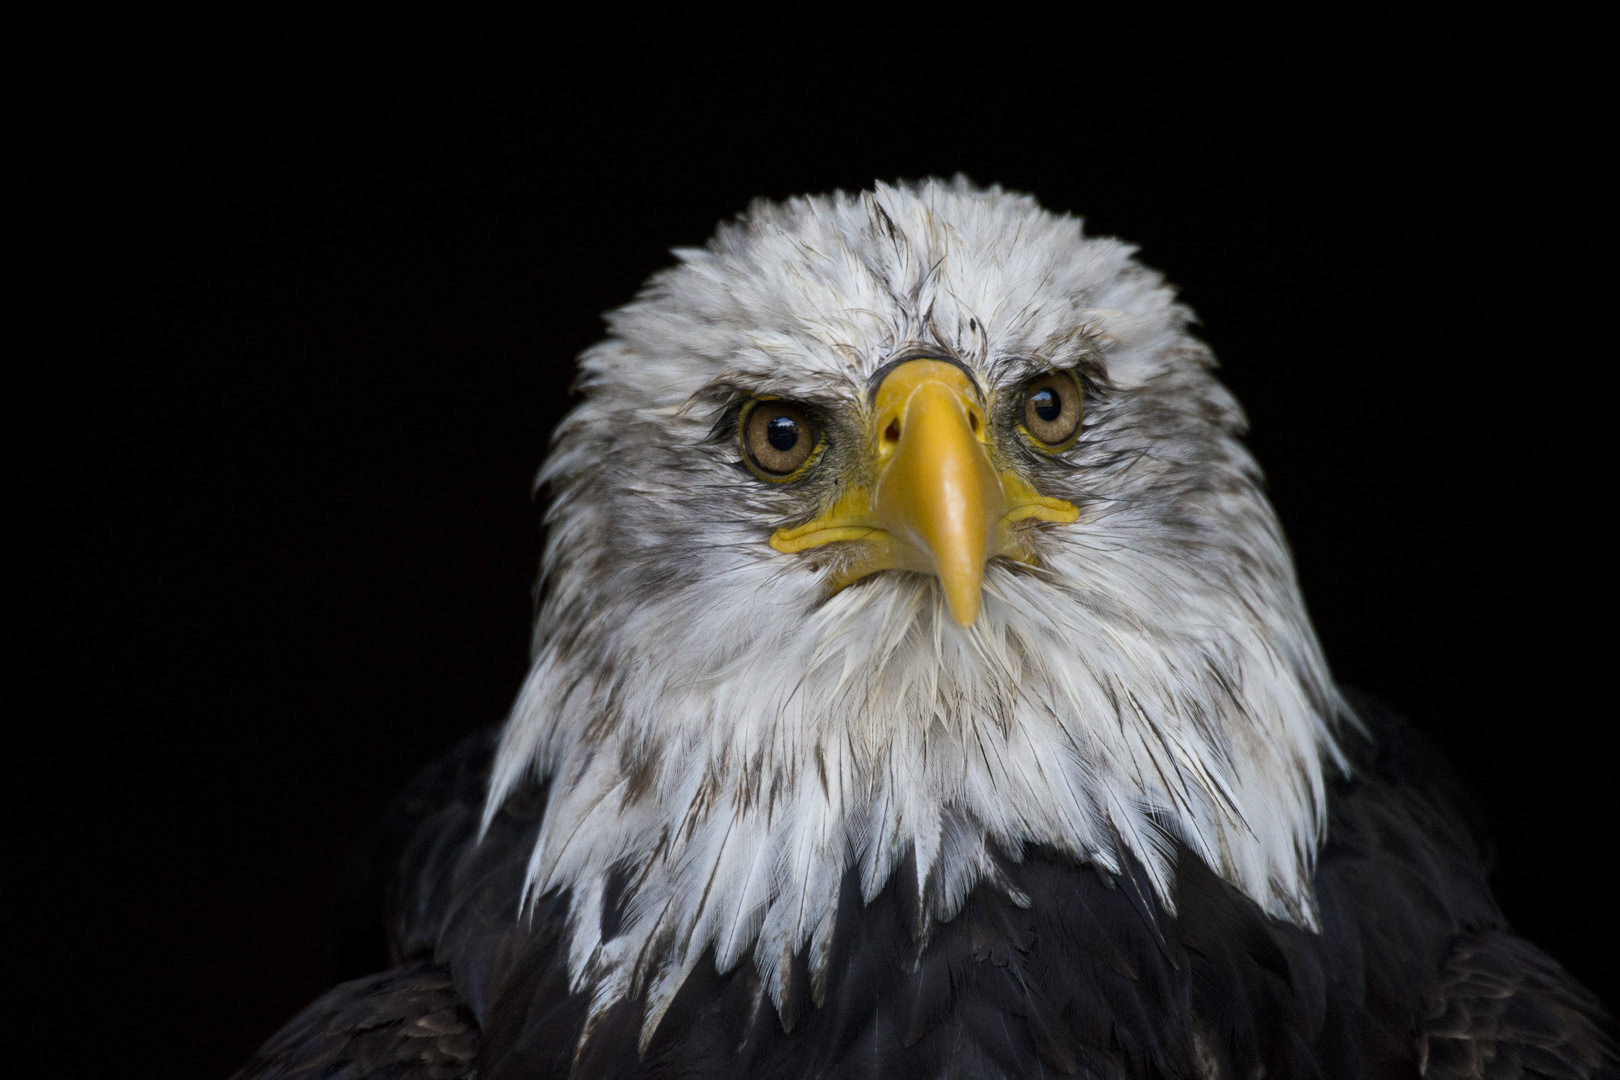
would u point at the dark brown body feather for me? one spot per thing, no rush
(1414, 972)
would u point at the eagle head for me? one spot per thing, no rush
(898, 532)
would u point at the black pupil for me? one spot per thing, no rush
(1047, 405)
(783, 433)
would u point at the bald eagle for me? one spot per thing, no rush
(922, 688)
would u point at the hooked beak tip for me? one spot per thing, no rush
(964, 606)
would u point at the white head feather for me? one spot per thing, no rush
(734, 740)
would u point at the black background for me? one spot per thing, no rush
(310, 319)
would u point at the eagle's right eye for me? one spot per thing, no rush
(777, 438)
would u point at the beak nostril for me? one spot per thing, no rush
(892, 432)
(973, 421)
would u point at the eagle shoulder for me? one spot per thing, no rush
(406, 1023)
(1503, 1008)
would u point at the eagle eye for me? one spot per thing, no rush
(1052, 408)
(777, 439)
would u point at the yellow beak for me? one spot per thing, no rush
(939, 506)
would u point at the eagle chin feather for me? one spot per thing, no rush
(724, 736)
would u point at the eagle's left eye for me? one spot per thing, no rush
(777, 438)
(1052, 408)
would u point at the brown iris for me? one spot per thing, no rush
(1052, 409)
(778, 437)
